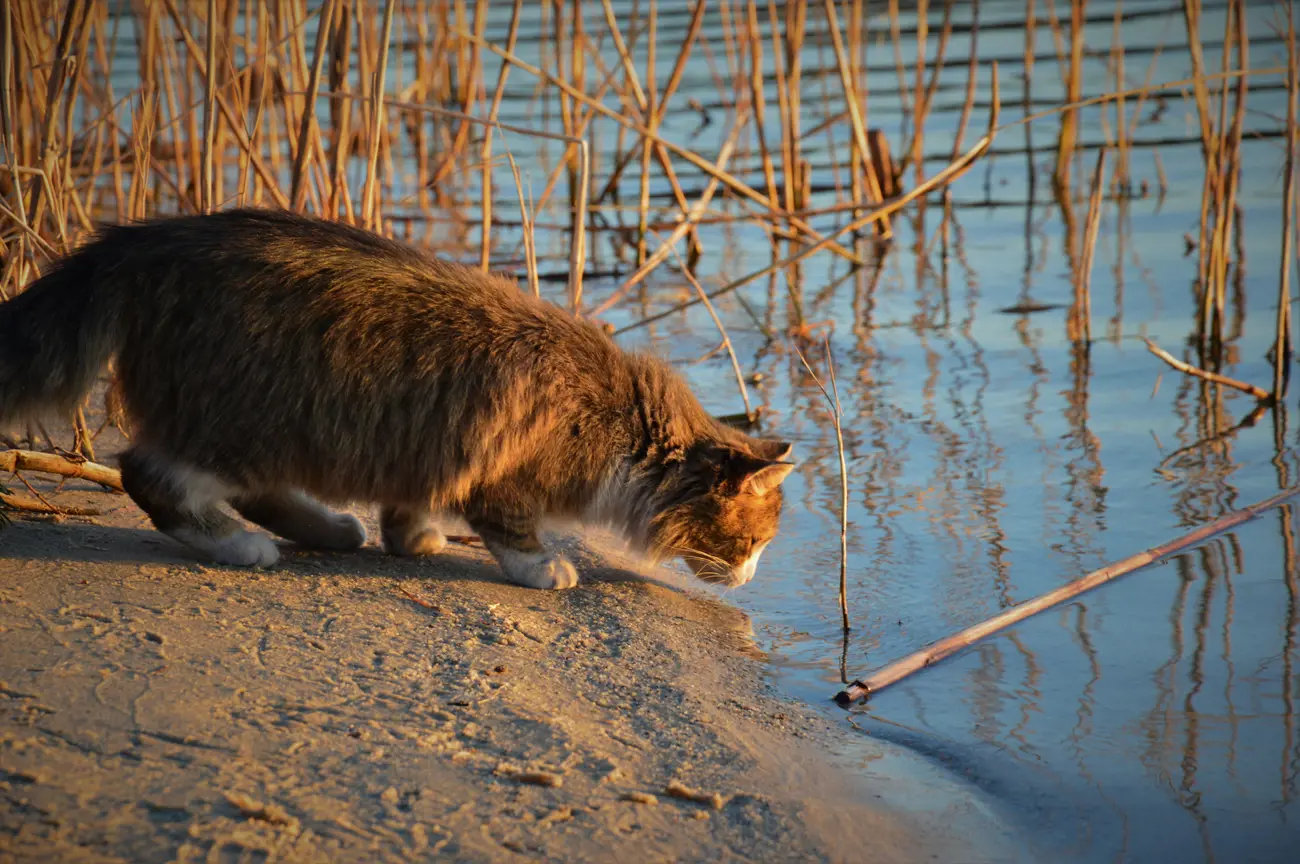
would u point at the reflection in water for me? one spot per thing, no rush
(994, 456)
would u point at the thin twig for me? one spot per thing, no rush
(834, 402)
(417, 600)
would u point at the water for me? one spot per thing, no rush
(989, 460)
(987, 464)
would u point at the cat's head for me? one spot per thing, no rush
(722, 507)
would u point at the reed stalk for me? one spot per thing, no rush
(370, 192)
(660, 108)
(684, 227)
(208, 186)
(732, 182)
(512, 36)
(308, 134)
(1282, 341)
(1083, 279)
(852, 99)
(833, 401)
(1068, 137)
(268, 177)
(652, 123)
(526, 225)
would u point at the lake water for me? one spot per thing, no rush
(988, 461)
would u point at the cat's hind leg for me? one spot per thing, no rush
(410, 531)
(512, 540)
(184, 503)
(296, 516)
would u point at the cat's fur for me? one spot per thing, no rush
(264, 357)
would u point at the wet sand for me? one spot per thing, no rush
(365, 708)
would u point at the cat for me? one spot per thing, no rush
(269, 361)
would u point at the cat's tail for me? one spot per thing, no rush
(55, 337)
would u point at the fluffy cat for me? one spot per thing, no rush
(268, 359)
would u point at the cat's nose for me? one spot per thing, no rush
(742, 574)
(745, 572)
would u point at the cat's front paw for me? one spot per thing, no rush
(544, 571)
(239, 549)
(348, 533)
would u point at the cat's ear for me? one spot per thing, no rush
(763, 477)
(773, 450)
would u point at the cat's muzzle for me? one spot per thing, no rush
(716, 573)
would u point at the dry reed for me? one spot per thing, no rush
(1282, 341)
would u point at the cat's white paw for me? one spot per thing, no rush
(544, 571)
(243, 549)
(247, 549)
(349, 533)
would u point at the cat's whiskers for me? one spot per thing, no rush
(713, 569)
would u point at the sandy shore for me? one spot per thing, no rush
(364, 708)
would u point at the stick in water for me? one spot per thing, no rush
(944, 648)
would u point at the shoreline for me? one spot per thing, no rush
(368, 708)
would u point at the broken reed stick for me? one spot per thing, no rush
(933, 653)
(1258, 392)
(13, 461)
(485, 252)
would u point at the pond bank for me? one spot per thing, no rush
(364, 708)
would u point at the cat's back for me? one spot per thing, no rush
(261, 272)
(276, 297)
(252, 252)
